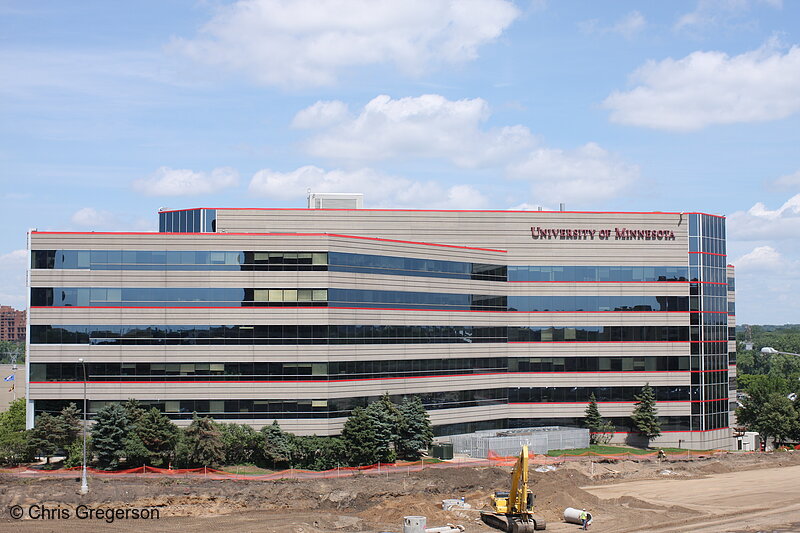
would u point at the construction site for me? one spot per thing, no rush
(715, 492)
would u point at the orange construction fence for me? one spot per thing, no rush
(345, 471)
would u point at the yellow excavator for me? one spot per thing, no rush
(513, 511)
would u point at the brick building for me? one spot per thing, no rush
(12, 324)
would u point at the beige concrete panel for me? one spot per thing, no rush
(596, 379)
(612, 409)
(221, 353)
(311, 241)
(506, 230)
(348, 352)
(176, 278)
(342, 316)
(599, 349)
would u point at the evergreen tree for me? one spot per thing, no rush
(242, 444)
(386, 419)
(277, 445)
(133, 411)
(158, 435)
(73, 424)
(151, 438)
(360, 438)
(645, 415)
(47, 433)
(109, 433)
(414, 431)
(204, 443)
(14, 438)
(600, 430)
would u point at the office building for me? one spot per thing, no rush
(496, 319)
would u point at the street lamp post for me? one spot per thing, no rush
(770, 350)
(84, 480)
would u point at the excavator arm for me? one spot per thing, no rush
(512, 510)
(518, 498)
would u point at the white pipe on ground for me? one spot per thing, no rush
(449, 528)
(573, 516)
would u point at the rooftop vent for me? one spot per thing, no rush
(335, 200)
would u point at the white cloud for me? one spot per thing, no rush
(100, 220)
(13, 266)
(320, 114)
(428, 126)
(89, 217)
(761, 258)
(706, 88)
(761, 223)
(719, 12)
(628, 26)
(587, 174)
(380, 190)
(433, 127)
(788, 181)
(184, 182)
(309, 42)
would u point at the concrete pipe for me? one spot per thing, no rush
(414, 524)
(573, 516)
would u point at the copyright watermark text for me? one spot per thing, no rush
(38, 511)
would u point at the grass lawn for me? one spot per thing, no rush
(616, 450)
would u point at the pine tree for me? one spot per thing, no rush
(159, 435)
(133, 410)
(386, 418)
(414, 432)
(152, 438)
(645, 415)
(360, 438)
(600, 430)
(73, 424)
(204, 442)
(109, 433)
(277, 445)
(47, 433)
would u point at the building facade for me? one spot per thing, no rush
(12, 324)
(496, 319)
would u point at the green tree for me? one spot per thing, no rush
(47, 434)
(109, 433)
(242, 444)
(317, 453)
(277, 445)
(8, 349)
(764, 393)
(151, 439)
(414, 431)
(361, 439)
(73, 425)
(781, 417)
(133, 410)
(204, 443)
(600, 430)
(15, 445)
(645, 415)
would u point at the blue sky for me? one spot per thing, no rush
(110, 110)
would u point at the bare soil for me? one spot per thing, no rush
(733, 492)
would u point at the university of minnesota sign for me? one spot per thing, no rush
(617, 234)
